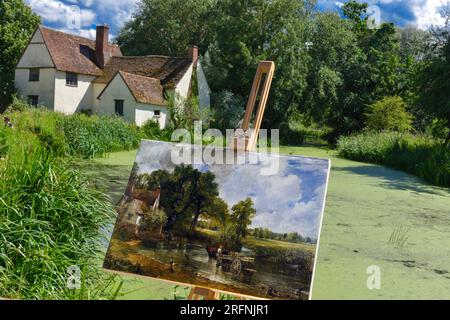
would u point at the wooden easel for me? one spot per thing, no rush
(198, 293)
(246, 138)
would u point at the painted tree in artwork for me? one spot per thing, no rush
(242, 214)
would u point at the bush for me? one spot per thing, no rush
(151, 130)
(290, 137)
(389, 114)
(418, 155)
(50, 219)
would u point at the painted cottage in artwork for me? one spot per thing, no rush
(68, 73)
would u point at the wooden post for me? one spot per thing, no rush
(198, 293)
(246, 139)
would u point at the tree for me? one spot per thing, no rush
(433, 78)
(389, 114)
(166, 27)
(17, 24)
(335, 93)
(356, 12)
(242, 214)
(247, 31)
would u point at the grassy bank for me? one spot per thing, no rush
(418, 155)
(366, 204)
(76, 135)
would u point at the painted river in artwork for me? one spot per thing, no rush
(194, 259)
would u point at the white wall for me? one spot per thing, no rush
(204, 92)
(133, 111)
(97, 88)
(44, 88)
(36, 54)
(182, 88)
(69, 100)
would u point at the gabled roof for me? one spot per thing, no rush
(73, 53)
(144, 89)
(168, 70)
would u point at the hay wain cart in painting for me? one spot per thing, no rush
(233, 262)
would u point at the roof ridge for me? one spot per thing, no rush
(74, 35)
(152, 56)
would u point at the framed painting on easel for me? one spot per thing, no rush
(228, 227)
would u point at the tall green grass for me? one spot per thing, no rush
(79, 134)
(418, 155)
(50, 219)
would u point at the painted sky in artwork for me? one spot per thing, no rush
(289, 201)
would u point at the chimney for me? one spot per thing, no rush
(193, 53)
(101, 44)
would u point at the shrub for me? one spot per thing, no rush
(290, 137)
(389, 114)
(151, 129)
(418, 155)
(50, 219)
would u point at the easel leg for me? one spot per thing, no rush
(198, 293)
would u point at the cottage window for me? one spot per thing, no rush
(157, 113)
(33, 100)
(71, 79)
(118, 107)
(34, 75)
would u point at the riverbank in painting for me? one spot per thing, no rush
(189, 262)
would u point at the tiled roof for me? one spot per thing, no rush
(144, 89)
(168, 70)
(73, 53)
(146, 76)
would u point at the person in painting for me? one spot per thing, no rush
(219, 255)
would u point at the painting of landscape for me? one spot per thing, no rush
(221, 226)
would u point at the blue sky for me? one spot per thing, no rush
(57, 13)
(289, 200)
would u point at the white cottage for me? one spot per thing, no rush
(68, 73)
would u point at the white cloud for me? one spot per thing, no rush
(59, 13)
(427, 14)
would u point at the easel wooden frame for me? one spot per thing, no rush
(246, 139)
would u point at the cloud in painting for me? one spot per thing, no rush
(289, 201)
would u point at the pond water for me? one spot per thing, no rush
(194, 258)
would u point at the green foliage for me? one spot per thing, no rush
(17, 23)
(290, 136)
(228, 108)
(50, 219)
(389, 114)
(184, 112)
(433, 79)
(242, 214)
(166, 27)
(95, 136)
(418, 155)
(153, 219)
(151, 129)
(77, 135)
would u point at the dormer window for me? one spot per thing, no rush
(71, 79)
(34, 75)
